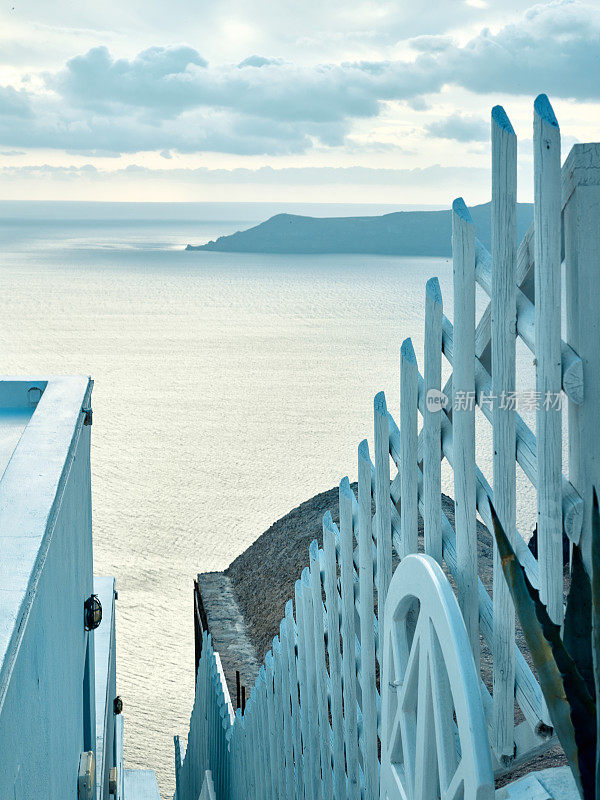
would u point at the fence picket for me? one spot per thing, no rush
(316, 588)
(463, 417)
(308, 741)
(367, 635)
(503, 329)
(335, 657)
(282, 730)
(432, 456)
(383, 526)
(346, 498)
(294, 681)
(581, 199)
(271, 730)
(408, 449)
(311, 680)
(547, 238)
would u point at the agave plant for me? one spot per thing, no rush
(568, 666)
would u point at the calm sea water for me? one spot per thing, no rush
(228, 389)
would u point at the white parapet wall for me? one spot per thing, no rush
(57, 679)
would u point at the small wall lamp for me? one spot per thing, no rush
(92, 615)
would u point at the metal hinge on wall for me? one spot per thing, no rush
(87, 420)
(85, 777)
(112, 781)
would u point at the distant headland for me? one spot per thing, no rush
(402, 233)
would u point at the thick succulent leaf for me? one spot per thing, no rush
(596, 623)
(577, 636)
(572, 709)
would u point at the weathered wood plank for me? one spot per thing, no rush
(547, 237)
(432, 471)
(312, 774)
(367, 638)
(335, 657)
(286, 708)
(463, 417)
(383, 525)
(273, 731)
(266, 768)
(408, 464)
(581, 189)
(316, 589)
(294, 681)
(346, 498)
(503, 324)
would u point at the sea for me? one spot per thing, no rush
(228, 389)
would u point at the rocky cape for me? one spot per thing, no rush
(402, 233)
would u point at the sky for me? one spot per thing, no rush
(284, 100)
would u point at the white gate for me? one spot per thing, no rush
(434, 741)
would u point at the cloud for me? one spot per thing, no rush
(259, 61)
(169, 98)
(431, 44)
(461, 128)
(157, 77)
(14, 103)
(192, 132)
(267, 176)
(553, 48)
(176, 79)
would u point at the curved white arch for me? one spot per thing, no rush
(434, 737)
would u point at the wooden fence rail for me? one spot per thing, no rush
(312, 723)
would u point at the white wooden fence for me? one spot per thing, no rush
(312, 725)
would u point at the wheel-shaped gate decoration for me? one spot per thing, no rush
(434, 742)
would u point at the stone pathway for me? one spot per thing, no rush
(228, 630)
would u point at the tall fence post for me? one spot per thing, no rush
(547, 238)
(581, 200)
(463, 418)
(503, 329)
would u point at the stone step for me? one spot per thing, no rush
(141, 784)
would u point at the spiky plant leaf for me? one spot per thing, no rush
(578, 621)
(572, 709)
